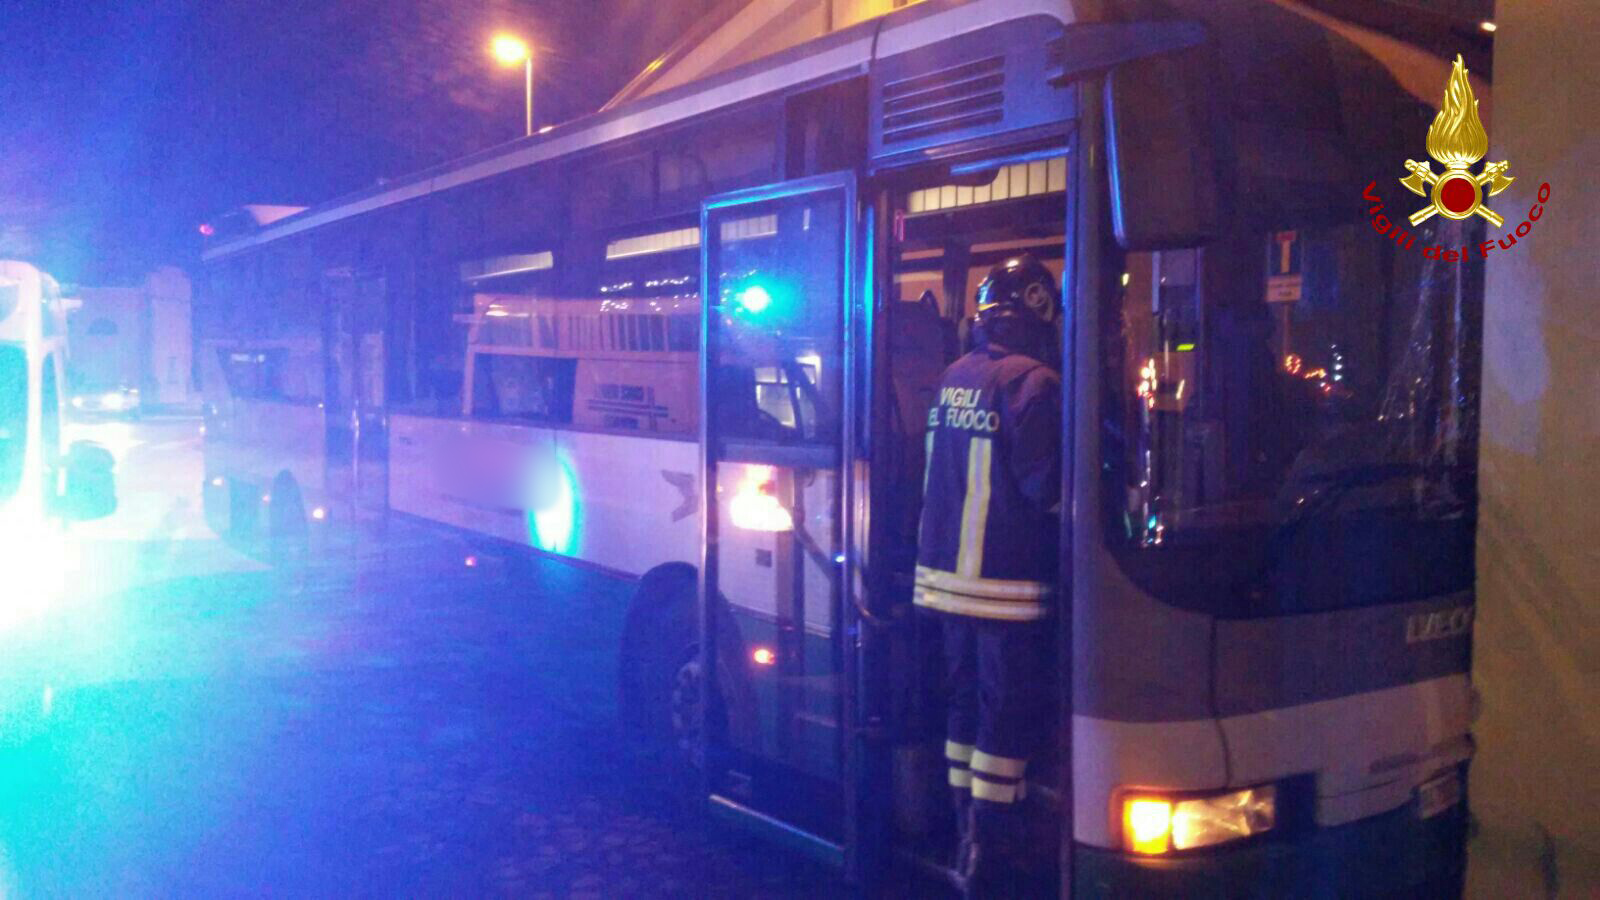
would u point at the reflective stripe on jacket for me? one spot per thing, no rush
(987, 542)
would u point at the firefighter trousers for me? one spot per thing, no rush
(998, 678)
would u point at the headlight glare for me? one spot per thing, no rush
(1226, 817)
(1154, 823)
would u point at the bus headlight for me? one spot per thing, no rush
(1153, 824)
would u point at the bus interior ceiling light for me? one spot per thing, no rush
(755, 506)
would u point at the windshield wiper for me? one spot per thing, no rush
(1334, 486)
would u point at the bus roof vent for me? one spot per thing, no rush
(966, 96)
(976, 88)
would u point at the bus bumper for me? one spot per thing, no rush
(1390, 855)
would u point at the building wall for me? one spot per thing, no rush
(1536, 781)
(171, 346)
(107, 338)
(762, 28)
(135, 336)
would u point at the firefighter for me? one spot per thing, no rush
(986, 560)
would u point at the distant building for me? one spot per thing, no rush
(136, 337)
(737, 33)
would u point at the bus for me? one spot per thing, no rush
(43, 483)
(692, 339)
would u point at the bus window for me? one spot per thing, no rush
(511, 378)
(683, 333)
(1291, 406)
(592, 349)
(285, 371)
(13, 416)
(432, 349)
(778, 371)
(523, 387)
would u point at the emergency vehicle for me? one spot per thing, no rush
(43, 483)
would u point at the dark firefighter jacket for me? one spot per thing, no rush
(991, 488)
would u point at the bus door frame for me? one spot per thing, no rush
(355, 314)
(856, 852)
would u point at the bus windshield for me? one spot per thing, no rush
(1291, 454)
(1289, 411)
(13, 417)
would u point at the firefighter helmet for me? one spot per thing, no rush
(1018, 302)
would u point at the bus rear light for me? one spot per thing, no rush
(754, 505)
(763, 656)
(1155, 825)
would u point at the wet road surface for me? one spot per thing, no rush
(185, 723)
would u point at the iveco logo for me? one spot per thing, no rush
(1436, 625)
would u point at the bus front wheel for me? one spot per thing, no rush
(688, 710)
(658, 640)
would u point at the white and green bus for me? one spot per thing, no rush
(691, 340)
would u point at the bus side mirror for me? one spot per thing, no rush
(1162, 126)
(90, 492)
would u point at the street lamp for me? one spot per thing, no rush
(509, 50)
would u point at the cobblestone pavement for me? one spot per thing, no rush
(406, 726)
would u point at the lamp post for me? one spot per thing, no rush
(509, 50)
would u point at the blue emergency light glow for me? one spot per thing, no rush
(553, 526)
(754, 299)
(38, 563)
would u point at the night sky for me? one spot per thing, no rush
(124, 125)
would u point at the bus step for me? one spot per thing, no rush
(817, 847)
(931, 869)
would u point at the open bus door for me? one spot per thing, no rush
(778, 614)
